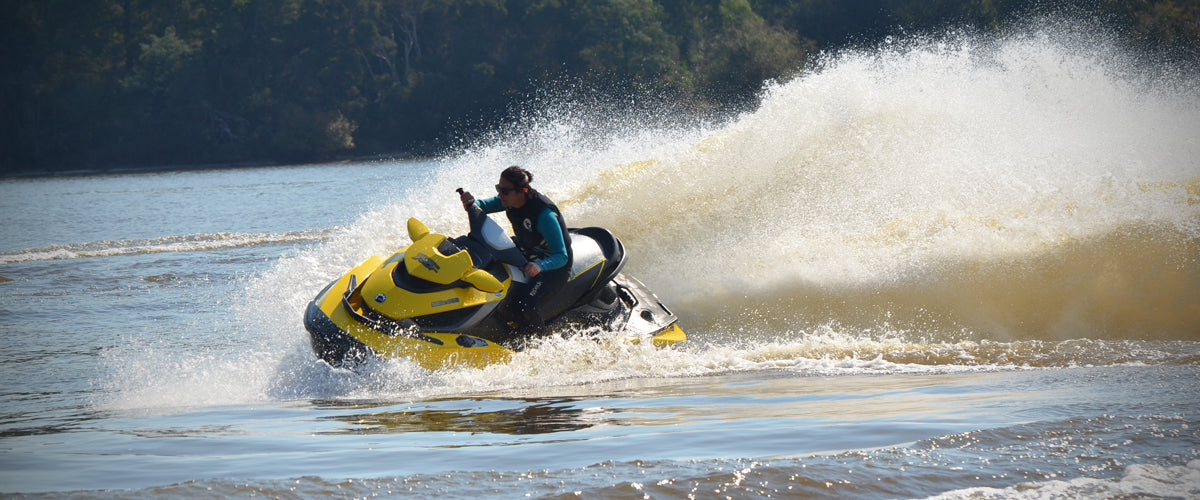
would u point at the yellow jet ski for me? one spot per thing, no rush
(445, 301)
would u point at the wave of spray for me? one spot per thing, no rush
(1035, 186)
(891, 208)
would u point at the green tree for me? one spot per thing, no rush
(86, 83)
(743, 51)
(626, 39)
(1169, 24)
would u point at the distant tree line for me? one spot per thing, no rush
(99, 83)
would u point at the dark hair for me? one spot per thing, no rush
(519, 177)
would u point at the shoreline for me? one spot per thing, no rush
(196, 167)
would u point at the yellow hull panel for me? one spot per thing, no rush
(670, 336)
(433, 356)
(430, 355)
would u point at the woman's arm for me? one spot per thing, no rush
(547, 224)
(490, 205)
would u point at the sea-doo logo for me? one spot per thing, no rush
(428, 262)
(528, 225)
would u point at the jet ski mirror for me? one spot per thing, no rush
(416, 229)
(483, 280)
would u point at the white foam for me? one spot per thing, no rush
(1139, 481)
(180, 243)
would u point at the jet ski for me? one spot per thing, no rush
(444, 301)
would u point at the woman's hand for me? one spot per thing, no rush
(466, 197)
(532, 269)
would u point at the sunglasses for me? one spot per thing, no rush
(505, 190)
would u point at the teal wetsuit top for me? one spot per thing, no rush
(547, 226)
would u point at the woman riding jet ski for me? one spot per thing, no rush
(443, 301)
(541, 234)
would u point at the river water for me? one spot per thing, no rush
(956, 268)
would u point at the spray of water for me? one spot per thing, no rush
(1035, 186)
(928, 204)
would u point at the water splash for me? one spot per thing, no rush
(964, 202)
(1034, 186)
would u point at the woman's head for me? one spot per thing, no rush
(514, 186)
(517, 176)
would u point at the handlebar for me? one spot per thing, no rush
(503, 247)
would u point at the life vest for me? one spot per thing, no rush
(524, 224)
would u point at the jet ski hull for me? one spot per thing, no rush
(376, 310)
